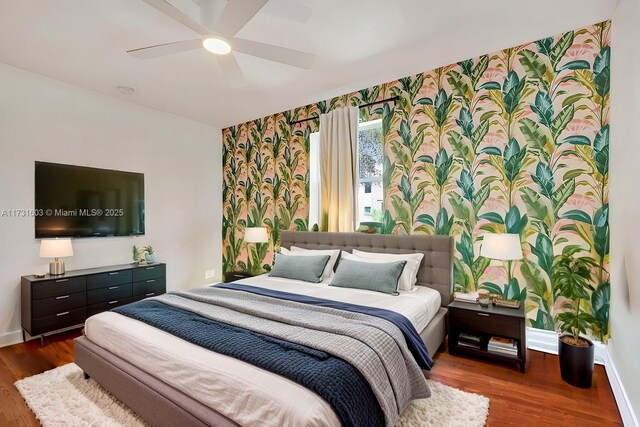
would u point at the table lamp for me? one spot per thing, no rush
(56, 248)
(505, 247)
(255, 235)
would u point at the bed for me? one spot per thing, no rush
(167, 381)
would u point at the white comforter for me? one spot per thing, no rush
(244, 393)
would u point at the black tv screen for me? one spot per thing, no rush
(75, 201)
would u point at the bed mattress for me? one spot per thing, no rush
(244, 393)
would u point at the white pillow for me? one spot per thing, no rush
(409, 275)
(333, 254)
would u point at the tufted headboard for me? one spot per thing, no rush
(436, 270)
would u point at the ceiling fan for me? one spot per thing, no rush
(220, 20)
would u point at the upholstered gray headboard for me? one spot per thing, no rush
(435, 272)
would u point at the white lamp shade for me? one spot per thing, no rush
(501, 246)
(55, 248)
(256, 235)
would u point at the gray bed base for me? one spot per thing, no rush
(161, 405)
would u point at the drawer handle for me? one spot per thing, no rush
(62, 314)
(151, 281)
(113, 302)
(62, 280)
(483, 314)
(149, 268)
(63, 297)
(113, 287)
(113, 273)
(150, 294)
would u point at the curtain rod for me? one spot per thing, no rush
(393, 98)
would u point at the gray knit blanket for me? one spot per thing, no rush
(374, 346)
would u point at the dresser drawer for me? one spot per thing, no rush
(58, 287)
(48, 306)
(105, 280)
(488, 323)
(149, 272)
(60, 320)
(158, 286)
(108, 294)
(99, 308)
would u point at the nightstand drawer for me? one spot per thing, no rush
(99, 308)
(105, 280)
(232, 276)
(108, 294)
(48, 306)
(157, 286)
(58, 287)
(149, 272)
(60, 320)
(489, 323)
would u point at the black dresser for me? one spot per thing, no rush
(55, 303)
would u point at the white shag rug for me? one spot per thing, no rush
(62, 397)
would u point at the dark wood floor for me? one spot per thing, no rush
(536, 398)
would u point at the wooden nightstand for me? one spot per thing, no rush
(232, 276)
(486, 322)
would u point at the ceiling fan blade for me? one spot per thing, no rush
(178, 15)
(236, 15)
(210, 11)
(231, 70)
(165, 49)
(279, 54)
(286, 9)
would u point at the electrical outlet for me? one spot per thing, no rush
(210, 274)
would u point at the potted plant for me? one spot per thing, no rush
(149, 254)
(135, 254)
(572, 277)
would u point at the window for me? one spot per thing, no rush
(370, 161)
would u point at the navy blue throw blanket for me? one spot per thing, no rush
(414, 342)
(340, 384)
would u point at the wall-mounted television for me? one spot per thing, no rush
(76, 201)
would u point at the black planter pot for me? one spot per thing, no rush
(576, 363)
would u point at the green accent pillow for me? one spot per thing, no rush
(380, 277)
(307, 268)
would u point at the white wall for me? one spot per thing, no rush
(45, 119)
(624, 346)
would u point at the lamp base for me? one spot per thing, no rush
(56, 268)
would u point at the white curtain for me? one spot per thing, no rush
(339, 169)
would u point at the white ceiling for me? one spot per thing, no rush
(358, 43)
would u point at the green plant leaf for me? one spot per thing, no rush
(534, 136)
(491, 287)
(561, 121)
(560, 48)
(577, 215)
(601, 71)
(576, 65)
(514, 222)
(562, 194)
(535, 207)
(425, 219)
(492, 217)
(577, 140)
(533, 65)
(543, 108)
(544, 178)
(460, 208)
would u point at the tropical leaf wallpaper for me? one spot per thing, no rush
(516, 141)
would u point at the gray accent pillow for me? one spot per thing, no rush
(307, 268)
(380, 277)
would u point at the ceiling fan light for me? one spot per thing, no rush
(216, 45)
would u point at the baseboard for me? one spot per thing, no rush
(547, 341)
(10, 338)
(627, 413)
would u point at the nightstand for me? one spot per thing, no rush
(487, 322)
(232, 276)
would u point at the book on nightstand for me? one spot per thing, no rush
(471, 297)
(469, 340)
(501, 345)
